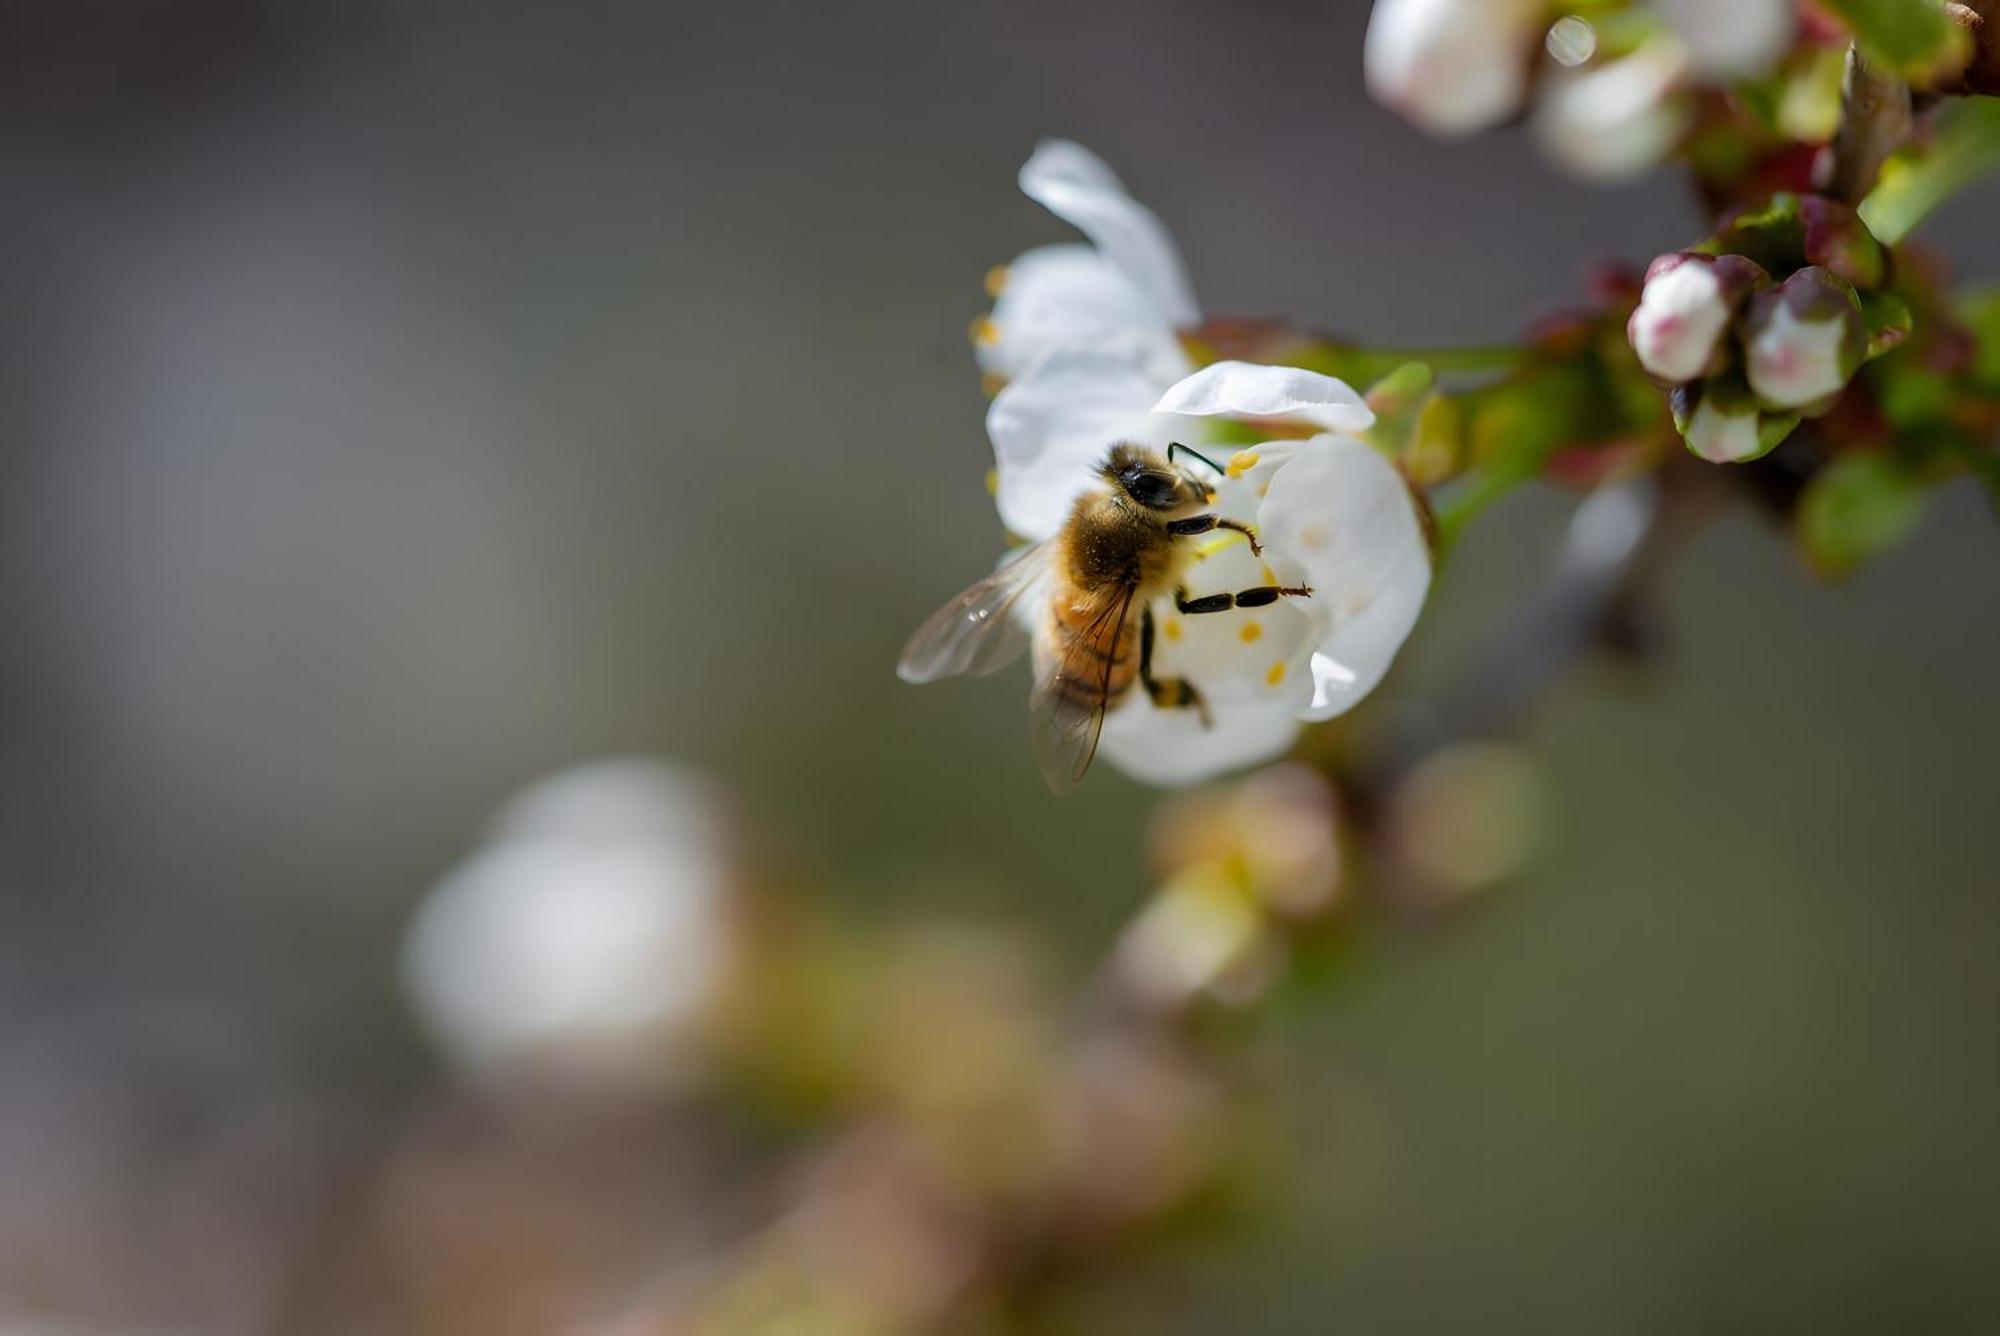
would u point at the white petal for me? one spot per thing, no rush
(1170, 747)
(1733, 38)
(1075, 184)
(1793, 362)
(1341, 515)
(1052, 425)
(1070, 296)
(1246, 389)
(1452, 67)
(1614, 122)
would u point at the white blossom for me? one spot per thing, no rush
(1332, 513)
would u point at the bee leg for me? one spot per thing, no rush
(1261, 596)
(1172, 693)
(1196, 524)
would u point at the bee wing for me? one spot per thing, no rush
(976, 633)
(1067, 707)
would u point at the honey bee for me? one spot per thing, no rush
(1118, 552)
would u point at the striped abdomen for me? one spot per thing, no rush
(1092, 648)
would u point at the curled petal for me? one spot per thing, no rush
(1075, 184)
(1341, 516)
(1246, 389)
(1070, 296)
(1053, 424)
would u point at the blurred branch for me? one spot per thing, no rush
(1875, 120)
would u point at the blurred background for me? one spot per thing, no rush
(409, 400)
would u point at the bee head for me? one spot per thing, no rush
(1154, 483)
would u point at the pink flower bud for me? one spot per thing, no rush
(1804, 341)
(1684, 312)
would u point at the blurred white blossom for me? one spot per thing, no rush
(1732, 38)
(592, 933)
(1452, 67)
(1611, 122)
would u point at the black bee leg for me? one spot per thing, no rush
(1261, 596)
(1172, 693)
(1197, 524)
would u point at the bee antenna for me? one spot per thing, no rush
(1176, 445)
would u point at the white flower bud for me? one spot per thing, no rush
(1613, 122)
(1732, 38)
(1724, 433)
(1451, 67)
(1805, 340)
(1682, 315)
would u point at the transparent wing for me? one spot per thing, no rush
(1067, 707)
(976, 633)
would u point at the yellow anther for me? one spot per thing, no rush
(1270, 576)
(1251, 633)
(993, 482)
(1217, 543)
(1241, 463)
(1276, 675)
(996, 280)
(991, 383)
(1172, 628)
(984, 332)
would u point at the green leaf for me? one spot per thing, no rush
(1915, 182)
(1859, 506)
(1912, 37)
(1981, 312)
(1889, 321)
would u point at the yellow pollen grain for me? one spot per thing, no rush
(1240, 463)
(1251, 633)
(996, 280)
(1276, 675)
(1172, 628)
(984, 332)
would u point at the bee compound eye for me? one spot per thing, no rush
(1150, 489)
